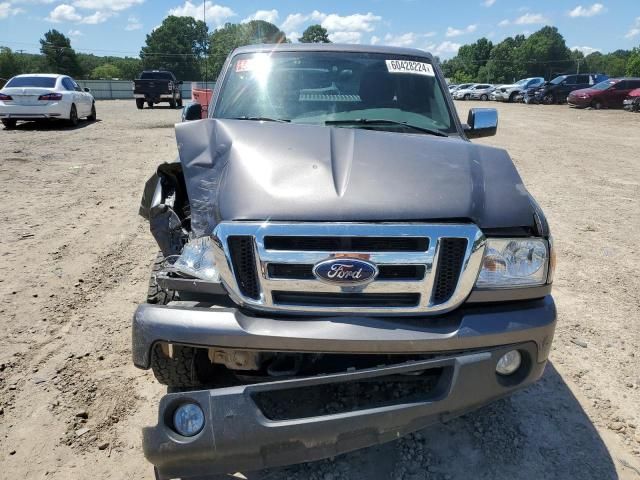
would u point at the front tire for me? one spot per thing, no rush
(512, 97)
(466, 97)
(150, 104)
(172, 104)
(93, 117)
(9, 123)
(180, 102)
(549, 99)
(73, 116)
(596, 105)
(140, 103)
(484, 97)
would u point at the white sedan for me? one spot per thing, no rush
(45, 96)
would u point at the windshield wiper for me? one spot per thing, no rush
(261, 119)
(374, 121)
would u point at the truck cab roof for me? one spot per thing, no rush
(333, 47)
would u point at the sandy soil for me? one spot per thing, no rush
(75, 259)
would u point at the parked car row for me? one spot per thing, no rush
(586, 90)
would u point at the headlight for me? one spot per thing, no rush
(513, 262)
(197, 260)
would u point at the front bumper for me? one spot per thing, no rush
(34, 112)
(500, 96)
(468, 327)
(239, 435)
(578, 102)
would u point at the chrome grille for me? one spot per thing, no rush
(424, 268)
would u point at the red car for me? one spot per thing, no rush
(632, 103)
(608, 94)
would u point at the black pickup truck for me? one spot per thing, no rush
(156, 86)
(339, 264)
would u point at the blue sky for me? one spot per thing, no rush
(118, 27)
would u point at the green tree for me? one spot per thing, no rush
(60, 57)
(315, 34)
(503, 65)
(106, 71)
(9, 65)
(633, 63)
(177, 45)
(129, 67)
(233, 35)
(545, 54)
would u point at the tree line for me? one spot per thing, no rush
(542, 54)
(185, 46)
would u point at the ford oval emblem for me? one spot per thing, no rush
(345, 271)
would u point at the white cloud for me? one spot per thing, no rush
(270, 16)
(68, 13)
(133, 23)
(634, 31)
(215, 14)
(455, 32)
(95, 18)
(488, 3)
(446, 48)
(75, 33)
(504, 23)
(8, 10)
(346, 37)
(531, 19)
(341, 28)
(586, 50)
(64, 13)
(409, 39)
(115, 5)
(580, 11)
(351, 23)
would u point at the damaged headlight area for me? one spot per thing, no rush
(513, 262)
(197, 260)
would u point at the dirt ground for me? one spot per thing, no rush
(75, 260)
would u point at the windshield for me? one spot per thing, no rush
(522, 82)
(156, 76)
(604, 85)
(321, 87)
(41, 82)
(558, 80)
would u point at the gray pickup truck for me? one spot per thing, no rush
(339, 264)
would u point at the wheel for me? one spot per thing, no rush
(9, 123)
(484, 97)
(73, 116)
(180, 102)
(172, 103)
(466, 96)
(140, 103)
(512, 97)
(150, 104)
(155, 294)
(548, 99)
(92, 117)
(178, 371)
(596, 104)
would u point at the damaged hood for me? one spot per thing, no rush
(248, 170)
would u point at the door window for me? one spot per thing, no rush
(67, 84)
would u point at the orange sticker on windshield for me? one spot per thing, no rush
(243, 65)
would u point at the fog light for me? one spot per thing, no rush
(509, 362)
(188, 419)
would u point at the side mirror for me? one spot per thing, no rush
(482, 122)
(87, 89)
(193, 111)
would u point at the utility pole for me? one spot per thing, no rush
(578, 62)
(204, 19)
